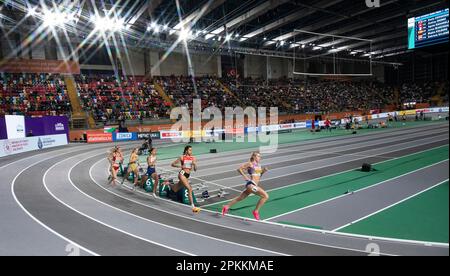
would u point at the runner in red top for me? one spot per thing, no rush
(114, 158)
(187, 162)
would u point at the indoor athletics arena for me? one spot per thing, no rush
(213, 128)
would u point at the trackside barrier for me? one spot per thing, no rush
(21, 145)
(173, 134)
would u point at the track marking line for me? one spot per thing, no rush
(91, 218)
(330, 158)
(151, 221)
(358, 191)
(224, 226)
(390, 206)
(288, 150)
(330, 165)
(38, 221)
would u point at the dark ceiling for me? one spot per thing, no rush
(257, 24)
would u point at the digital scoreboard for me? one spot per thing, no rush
(428, 29)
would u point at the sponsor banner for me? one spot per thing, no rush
(217, 132)
(99, 137)
(433, 110)
(3, 133)
(335, 122)
(251, 129)
(145, 135)
(124, 136)
(47, 125)
(381, 115)
(110, 129)
(15, 146)
(407, 113)
(169, 134)
(271, 128)
(194, 134)
(39, 66)
(235, 131)
(15, 126)
(300, 125)
(286, 126)
(309, 124)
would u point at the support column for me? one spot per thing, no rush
(154, 67)
(219, 66)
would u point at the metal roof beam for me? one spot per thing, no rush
(290, 18)
(250, 15)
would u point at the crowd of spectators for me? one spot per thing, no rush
(33, 94)
(294, 96)
(132, 98)
(112, 99)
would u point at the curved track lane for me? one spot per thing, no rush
(65, 190)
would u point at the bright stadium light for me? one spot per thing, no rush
(108, 24)
(228, 37)
(103, 23)
(118, 24)
(183, 34)
(53, 19)
(32, 12)
(71, 16)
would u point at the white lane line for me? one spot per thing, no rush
(288, 148)
(387, 207)
(331, 158)
(12, 189)
(341, 138)
(220, 225)
(202, 180)
(37, 155)
(268, 164)
(345, 235)
(357, 191)
(330, 165)
(38, 221)
(91, 218)
(158, 223)
(285, 160)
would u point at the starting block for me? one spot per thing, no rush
(222, 193)
(199, 186)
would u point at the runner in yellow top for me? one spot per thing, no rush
(133, 167)
(255, 171)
